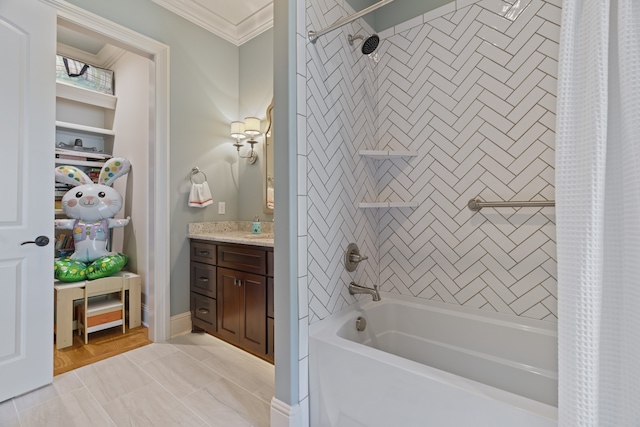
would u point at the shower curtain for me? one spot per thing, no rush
(598, 213)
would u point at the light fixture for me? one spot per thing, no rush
(252, 126)
(240, 130)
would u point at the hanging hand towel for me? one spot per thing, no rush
(200, 195)
(270, 197)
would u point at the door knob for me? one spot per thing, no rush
(40, 241)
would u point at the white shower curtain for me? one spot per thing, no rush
(598, 213)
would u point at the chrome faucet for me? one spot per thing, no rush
(357, 289)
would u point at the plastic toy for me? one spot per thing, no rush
(91, 208)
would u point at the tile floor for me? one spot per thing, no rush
(191, 380)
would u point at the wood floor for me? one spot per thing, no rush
(102, 345)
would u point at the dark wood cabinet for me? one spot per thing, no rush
(203, 311)
(243, 258)
(270, 322)
(232, 294)
(204, 252)
(242, 309)
(203, 286)
(203, 279)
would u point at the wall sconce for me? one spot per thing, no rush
(240, 130)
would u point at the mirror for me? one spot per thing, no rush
(268, 203)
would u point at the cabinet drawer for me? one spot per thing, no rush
(203, 279)
(243, 258)
(203, 252)
(204, 309)
(270, 263)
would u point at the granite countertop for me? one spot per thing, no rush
(232, 232)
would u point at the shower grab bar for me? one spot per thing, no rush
(313, 35)
(477, 204)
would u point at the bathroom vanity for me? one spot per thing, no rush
(232, 287)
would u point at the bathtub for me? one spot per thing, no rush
(424, 363)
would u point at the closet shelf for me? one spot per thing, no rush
(72, 162)
(83, 128)
(375, 205)
(386, 154)
(78, 94)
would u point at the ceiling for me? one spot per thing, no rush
(236, 21)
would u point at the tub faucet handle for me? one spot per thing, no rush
(357, 258)
(352, 257)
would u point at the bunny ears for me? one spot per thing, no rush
(114, 168)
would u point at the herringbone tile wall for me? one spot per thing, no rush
(341, 119)
(472, 89)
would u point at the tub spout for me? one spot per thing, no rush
(357, 289)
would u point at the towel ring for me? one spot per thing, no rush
(196, 170)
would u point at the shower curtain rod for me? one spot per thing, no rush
(477, 204)
(313, 35)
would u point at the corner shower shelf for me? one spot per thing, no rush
(375, 205)
(386, 154)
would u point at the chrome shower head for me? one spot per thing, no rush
(369, 45)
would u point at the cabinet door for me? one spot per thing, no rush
(270, 339)
(270, 265)
(242, 309)
(270, 324)
(253, 326)
(270, 297)
(230, 304)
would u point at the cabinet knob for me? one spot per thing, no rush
(203, 311)
(205, 253)
(204, 279)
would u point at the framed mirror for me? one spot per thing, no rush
(268, 187)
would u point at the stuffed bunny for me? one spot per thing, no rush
(91, 207)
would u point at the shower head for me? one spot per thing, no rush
(369, 45)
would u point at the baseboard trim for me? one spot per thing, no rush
(180, 324)
(284, 415)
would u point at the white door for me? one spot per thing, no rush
(27, 133)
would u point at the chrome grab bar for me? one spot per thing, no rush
(477, 204)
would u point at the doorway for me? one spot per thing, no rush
(152, 265)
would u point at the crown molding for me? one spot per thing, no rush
(255, 24)
(107, 56)
(249, 28)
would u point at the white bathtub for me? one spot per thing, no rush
(424, 363)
